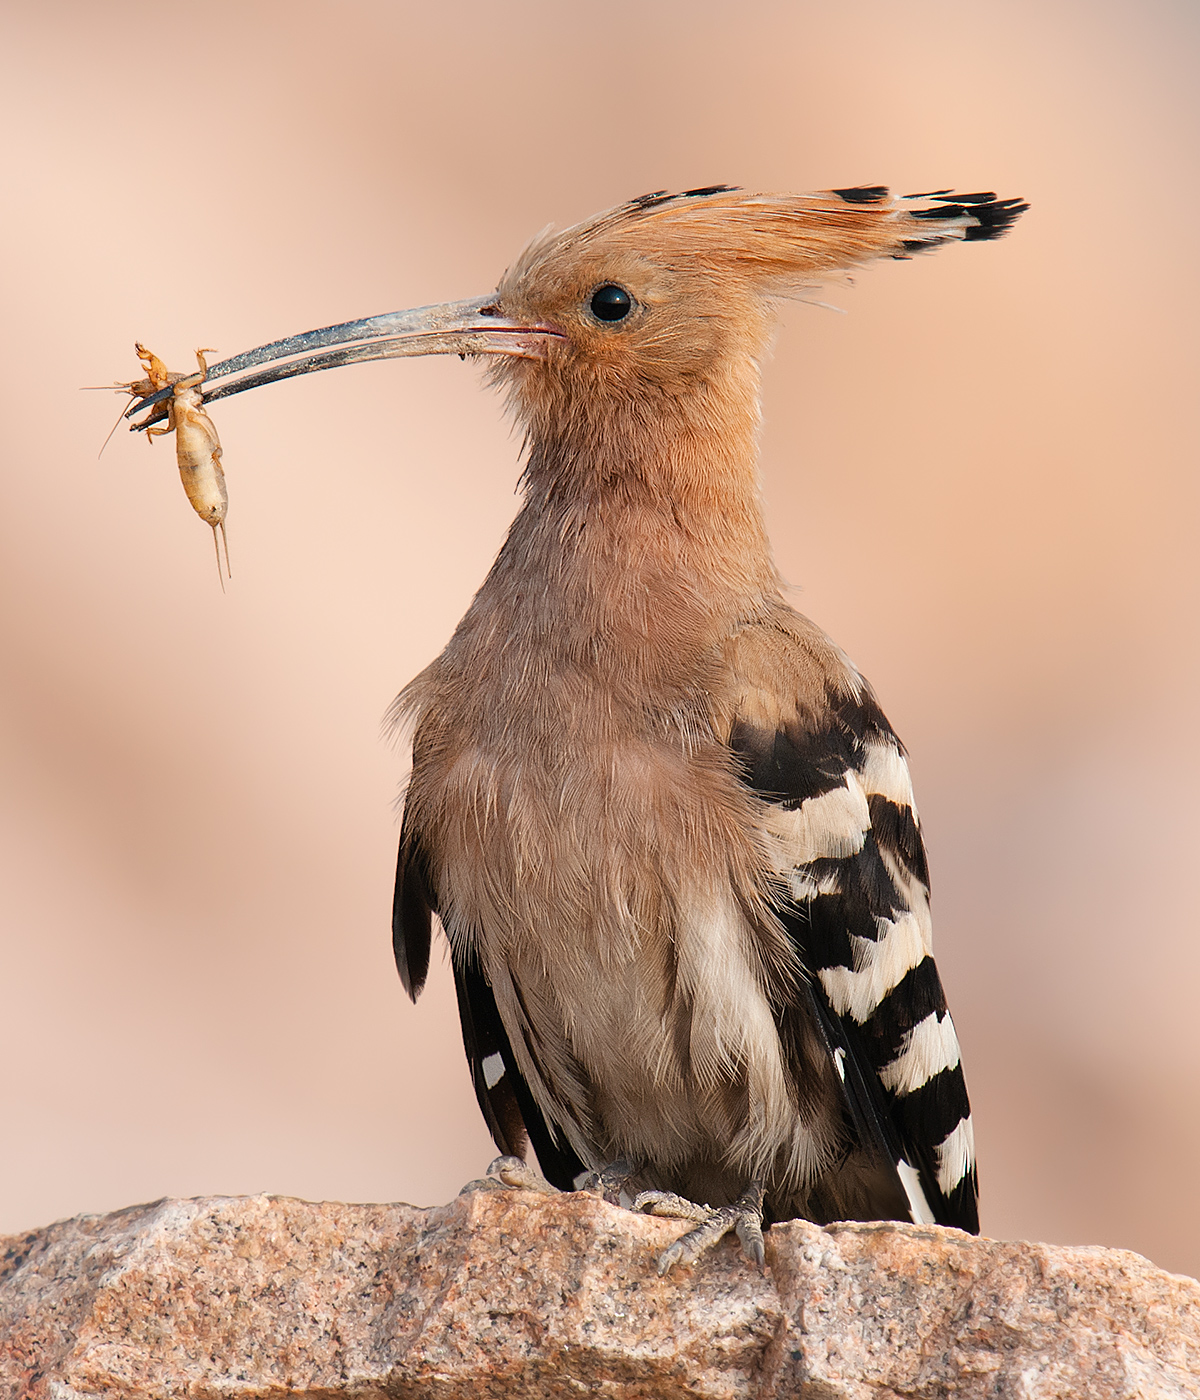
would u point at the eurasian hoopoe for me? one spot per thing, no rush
(668, 831)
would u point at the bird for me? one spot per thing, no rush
(665, 825)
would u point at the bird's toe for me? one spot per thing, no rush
(672, 1206)
(714, 1223)
(520, 1176)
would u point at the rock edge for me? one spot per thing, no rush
(503, 1294)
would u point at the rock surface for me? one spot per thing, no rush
(511, 1294)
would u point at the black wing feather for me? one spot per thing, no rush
(863, 1098)
(508, 1106)
(512, 1116)
(413, 907)
(790, 766)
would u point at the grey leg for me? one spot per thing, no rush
(609, 1182)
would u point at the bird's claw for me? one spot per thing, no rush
(713, 1224)
(517, 1174)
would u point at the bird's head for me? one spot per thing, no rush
(654, 310)
(650, 304)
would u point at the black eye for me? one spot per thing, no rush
(611, 303)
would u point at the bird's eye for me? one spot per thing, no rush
(611, 303)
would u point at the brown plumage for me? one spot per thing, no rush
(582, 820)
(668, 832)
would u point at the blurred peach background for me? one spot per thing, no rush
(982, 481)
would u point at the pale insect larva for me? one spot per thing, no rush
(197, 446)
(197, 452)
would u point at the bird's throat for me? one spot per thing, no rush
(647, 558)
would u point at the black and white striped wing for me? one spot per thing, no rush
(844, 832)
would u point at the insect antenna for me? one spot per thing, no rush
(824, 305)
(120, 415)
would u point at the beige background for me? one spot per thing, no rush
(982, 480)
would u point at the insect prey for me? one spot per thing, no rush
(197, 446)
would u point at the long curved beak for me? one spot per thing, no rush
(471, 327)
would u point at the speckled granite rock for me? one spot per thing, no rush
(506, 1294)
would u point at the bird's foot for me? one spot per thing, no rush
(609, 1182)
(713, 1223)
(508, 1174)
(518, 1175)
(515, 1174)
